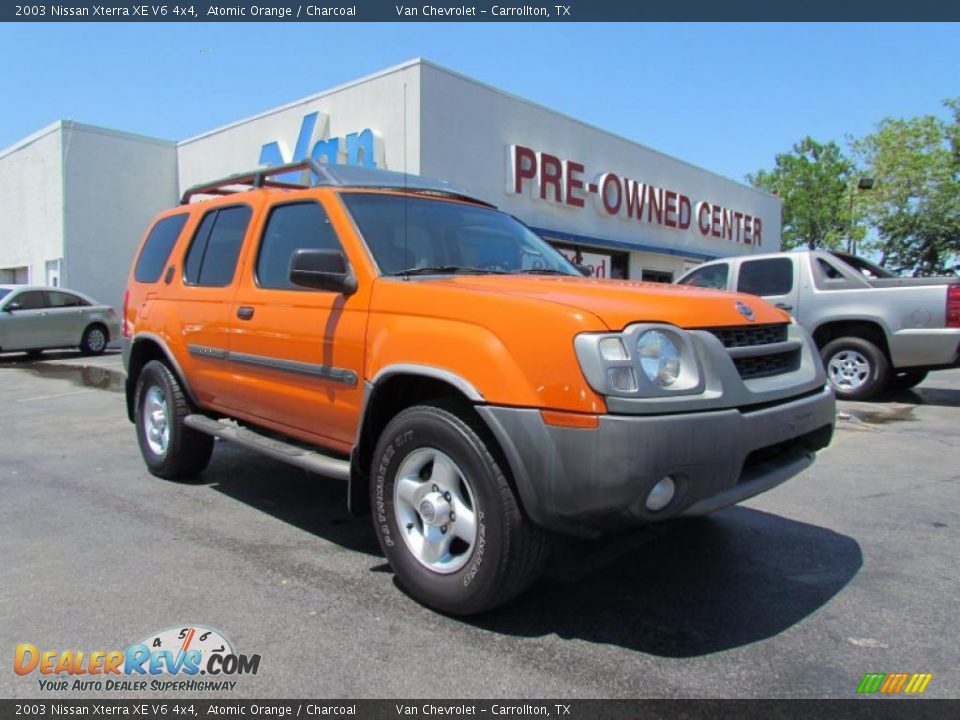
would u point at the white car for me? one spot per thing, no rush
(35, 318)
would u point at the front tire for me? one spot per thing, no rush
(170, 449)
(857, 369)
(446, 517)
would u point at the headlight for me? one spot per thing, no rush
(659, 358)
(645, 360)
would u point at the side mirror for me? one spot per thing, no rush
(322, 270)
(585, 270)
(11, 306)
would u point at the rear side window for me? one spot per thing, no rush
(710, 276)
(62, 299)
(766, 277)
(289, 228)
(212, 257)
(157, 248)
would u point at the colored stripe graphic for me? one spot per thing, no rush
(871, 682)
(894, 683)
(918, 683)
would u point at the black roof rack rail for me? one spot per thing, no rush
(322, 174)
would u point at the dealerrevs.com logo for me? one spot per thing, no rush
(170, 660)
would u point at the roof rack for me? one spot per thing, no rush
(321, 174)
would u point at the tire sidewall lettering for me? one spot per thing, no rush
(381, 501)
(473, 567)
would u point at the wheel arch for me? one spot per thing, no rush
(94, 323)
(143, 349)
(394, 389)
(869, 330)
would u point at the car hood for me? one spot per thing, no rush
(618, 303)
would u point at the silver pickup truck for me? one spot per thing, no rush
(875, 330)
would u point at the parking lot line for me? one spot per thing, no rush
(50, 397)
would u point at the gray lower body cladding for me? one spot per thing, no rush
(588, 481)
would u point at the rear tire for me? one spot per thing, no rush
(908, 379)
(95, 339)
(170, 449)
(446, 517)
(856, 368)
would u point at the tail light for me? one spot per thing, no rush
(953, 306)
(124, 323)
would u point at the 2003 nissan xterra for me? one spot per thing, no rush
(474, 389)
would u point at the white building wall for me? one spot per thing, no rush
(31, 204)
(375, 102)
(114, 184)
(468, 127)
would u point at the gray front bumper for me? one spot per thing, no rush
(587, 481)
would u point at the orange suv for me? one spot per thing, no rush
(472, 387)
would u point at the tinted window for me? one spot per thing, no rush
(191, 266)
(766, 277)
(31, 300)
(212, 258)
(289, 228)
(709, 276)
(157, 248)
(62, 299)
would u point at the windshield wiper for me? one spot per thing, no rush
(448, 270)
(541, 271)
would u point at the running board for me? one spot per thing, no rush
(277, 449)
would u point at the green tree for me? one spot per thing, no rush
(813, 181)
(915, 205)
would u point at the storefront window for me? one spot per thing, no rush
(603, 263)
(657, 276)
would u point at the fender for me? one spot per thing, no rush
(130, 347)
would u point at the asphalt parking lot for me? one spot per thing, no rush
(849, 568)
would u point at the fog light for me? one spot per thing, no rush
(661, 494)
(622, 379)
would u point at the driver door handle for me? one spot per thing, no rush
(784, 306)
(245, 312)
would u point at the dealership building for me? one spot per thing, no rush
(75, 199)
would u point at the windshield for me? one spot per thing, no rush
(4, 292)
(409, 235)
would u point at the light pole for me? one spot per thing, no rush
(863, 183)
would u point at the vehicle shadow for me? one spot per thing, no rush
(680, 590)
(312, 503)
(940, 397)
(692, 589)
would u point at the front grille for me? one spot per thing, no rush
(749, 335)
(766, 365)
(758, 366)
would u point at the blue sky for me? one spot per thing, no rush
(726, 97)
